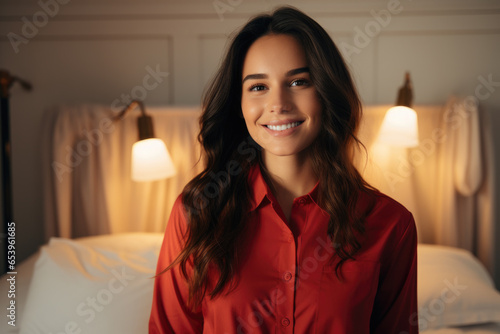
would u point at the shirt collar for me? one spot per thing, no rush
(258, 185)
(261, 190)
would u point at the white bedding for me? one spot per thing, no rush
(103, 285)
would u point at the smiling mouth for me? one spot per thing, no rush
(283, 127)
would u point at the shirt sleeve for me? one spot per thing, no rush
(170, 312)
(395, 309)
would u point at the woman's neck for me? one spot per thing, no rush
(291, 177)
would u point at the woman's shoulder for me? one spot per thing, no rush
(383, 210)
(389, 226)
(385, 202)
(178, 217)
(182, 208)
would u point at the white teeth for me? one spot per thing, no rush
(283, 126)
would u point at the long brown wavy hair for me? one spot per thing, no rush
(217, 200)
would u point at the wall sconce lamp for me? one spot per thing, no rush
(400, 126)
(150, 158)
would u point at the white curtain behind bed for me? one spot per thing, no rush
(88, 188)
(447, 181)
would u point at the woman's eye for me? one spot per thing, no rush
(299, 82)
(256, 88)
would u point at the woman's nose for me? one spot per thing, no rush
(279, 101)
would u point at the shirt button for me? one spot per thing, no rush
(302, 201)
(285, 322)
(287, 276)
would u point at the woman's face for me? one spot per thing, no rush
(280, 104)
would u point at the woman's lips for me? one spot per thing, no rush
(282, 128)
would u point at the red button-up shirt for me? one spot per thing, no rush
(288, 285)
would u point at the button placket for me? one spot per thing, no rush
(285, 322)
(285, 308)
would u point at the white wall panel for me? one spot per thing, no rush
(212, 49)
(361, 65)
(440, 64)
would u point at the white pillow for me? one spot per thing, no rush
(454, 289)
(93, 285)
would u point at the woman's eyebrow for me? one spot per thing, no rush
(297, 71)
(265, 76)
(255, 76)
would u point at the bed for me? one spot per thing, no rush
(103, 283)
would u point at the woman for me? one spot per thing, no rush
(280, 233)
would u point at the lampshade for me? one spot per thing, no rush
(400, 127)
(151, 160)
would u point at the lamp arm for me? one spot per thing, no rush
(7, 80)
(405, 93)
(144, 122)
(131, 106)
